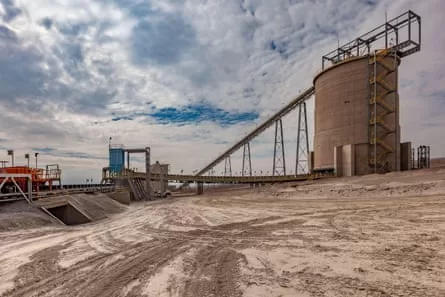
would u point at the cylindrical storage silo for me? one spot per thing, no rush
(346, 105)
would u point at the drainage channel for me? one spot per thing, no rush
(65, 212)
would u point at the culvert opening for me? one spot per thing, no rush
(68, 214)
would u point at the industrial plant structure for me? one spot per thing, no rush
(357, 129)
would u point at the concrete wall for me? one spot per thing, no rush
(69, 214)
(123, 197)
(338, 160)
(344, 160)
(73, 216)
(341, 109)
(348, 159)
(159, 168)
(406, 156)
(362, 159)
(311, 161)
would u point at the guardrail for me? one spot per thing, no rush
(60, 191)
(225, 179)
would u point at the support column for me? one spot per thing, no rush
(29, 180)
(228, 167)
(279, 160)
(148, 174)
(128, 160)
(200, 188)
(302, 161)
(247, 162)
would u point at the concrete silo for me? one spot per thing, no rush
(357, 115)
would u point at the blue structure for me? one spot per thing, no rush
(117, 159)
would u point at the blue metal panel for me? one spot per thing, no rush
(117, 160)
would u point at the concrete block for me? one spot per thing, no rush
(406, 161)
(123, 197)
(311, 161)
(348, 160)
(361, 159)
(338, 160)
(68, 214)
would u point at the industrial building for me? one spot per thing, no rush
(357, 107)
(357, 128)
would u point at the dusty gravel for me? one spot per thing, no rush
(369, 236)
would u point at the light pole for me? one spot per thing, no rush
(27, 158)
(36, 155)
(11, 153)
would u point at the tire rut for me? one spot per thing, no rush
(101, 277)
(214, 272)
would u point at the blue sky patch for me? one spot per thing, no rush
(10, 10)
(280, 47)
(80, 155)
(122, 118)
(43, 150)
(200, 113)
(76, 155)
(47, 23)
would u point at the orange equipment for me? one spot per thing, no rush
(40, 177)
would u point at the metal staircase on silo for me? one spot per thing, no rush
(380, 107)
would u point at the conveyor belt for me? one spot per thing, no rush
(224, 179)
(282, 112)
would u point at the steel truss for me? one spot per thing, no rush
(261, 128)
(423, 157)
(407, 24)
(247, 162)
(302, 161)
(228, 167)
(279, 158)
(11, 178)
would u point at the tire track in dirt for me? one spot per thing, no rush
(269, 248)
(43, 264)
(318, 285)
(102, 275)
(214, 272)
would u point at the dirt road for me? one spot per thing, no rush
(374, 236)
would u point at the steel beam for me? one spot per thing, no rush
(390, 28)
(279, 158)
(228, 167)
(302, 160)
(247, 162)
(148, 173)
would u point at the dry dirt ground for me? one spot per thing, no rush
(369, 236)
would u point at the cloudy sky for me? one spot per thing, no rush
(187, 77)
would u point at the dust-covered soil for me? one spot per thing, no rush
(367, 236)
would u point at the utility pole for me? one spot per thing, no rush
(36, 155)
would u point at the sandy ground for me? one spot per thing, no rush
(438, 163)
(369, 236)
